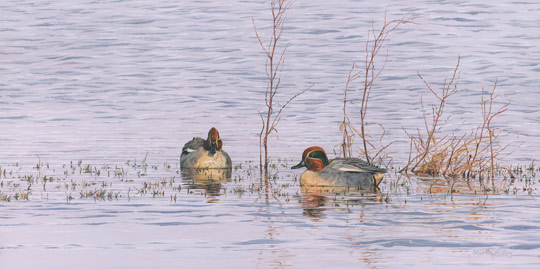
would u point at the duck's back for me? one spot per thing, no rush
(195, 156)
(192, 145)
(333, 178)
(346, 172)
(354, 165)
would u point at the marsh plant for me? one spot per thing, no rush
(274, 52)
(368, 74)
(166, 183)
(472, 154)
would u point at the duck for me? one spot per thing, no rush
(205, 154)
(339, 172)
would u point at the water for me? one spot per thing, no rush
(111, 81)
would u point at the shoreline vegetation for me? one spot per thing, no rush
(439, 161)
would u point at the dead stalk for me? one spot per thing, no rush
(346, 124)
(448, 90)
(260, 142)
(468, 155)
(488, 118)
(374, 43)
(274, 65)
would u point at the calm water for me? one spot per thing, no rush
(107, 82)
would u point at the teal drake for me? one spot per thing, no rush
(346, 172)
(205, 154)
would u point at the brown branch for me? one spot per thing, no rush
(277, 117)
(347, 139)
(437, 111)
(273, 67)
(369, 73)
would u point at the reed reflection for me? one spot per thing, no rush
(453, 185)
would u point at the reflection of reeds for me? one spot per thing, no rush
(469, 155)
(369, 74)
(275, 58)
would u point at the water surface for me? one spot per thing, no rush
(109, 82)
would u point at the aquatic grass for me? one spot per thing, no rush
(21, 194)
(101, 194)
(278, 185)
(5, 197)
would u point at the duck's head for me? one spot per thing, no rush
(314, 158)
(213, 143)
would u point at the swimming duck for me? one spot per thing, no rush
(350, 172)
(200, 153)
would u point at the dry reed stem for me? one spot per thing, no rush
(374, 43)
(274, 65)
(343, 127)
(469, 155)
(448, 90)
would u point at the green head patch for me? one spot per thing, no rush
(317, 154)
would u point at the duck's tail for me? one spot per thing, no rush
(378, 177)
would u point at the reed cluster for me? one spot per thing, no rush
(472, 154)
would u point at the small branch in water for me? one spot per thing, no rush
(373, 45)
(273, 67)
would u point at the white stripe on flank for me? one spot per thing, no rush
(350, 169)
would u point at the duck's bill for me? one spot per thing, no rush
(213, 148)
(300, 165)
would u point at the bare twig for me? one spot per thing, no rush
(260, 140)
(373, 45)
(274, 64)
(448, 90)
(345, 125)
(469, 155)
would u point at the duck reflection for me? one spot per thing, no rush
(313, 205)
(208, 180)
(317, 200)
